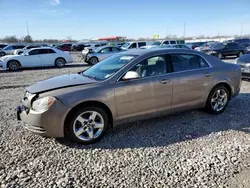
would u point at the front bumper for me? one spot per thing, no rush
(49, 123)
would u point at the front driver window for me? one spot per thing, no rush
(34, 52)
(151, 67)
(105, 50)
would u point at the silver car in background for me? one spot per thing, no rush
(98, 54)
(128, 86)
(9, 50)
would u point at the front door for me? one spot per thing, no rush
(32, 59)
(149, 94)
(192, 79)
(105, 53)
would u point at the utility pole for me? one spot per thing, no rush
(241, 30)
(184, 31)
(27, 26)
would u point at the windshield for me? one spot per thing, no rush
(126, 45)
(108, 67)
(156, 43)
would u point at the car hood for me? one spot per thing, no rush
(9, 56)
(58, 82)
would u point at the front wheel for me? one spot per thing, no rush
(60, 62)
(87, 125)
(2, 54)
(93, 60)
(217, 100)
(14, 65)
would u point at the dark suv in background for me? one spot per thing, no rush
(242, 42)
(221, 50)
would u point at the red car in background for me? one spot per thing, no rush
(64, 47)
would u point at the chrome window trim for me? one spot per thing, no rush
(162, 54)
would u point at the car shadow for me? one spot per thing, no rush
(70, 65)
(175, 128)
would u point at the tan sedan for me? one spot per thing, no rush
(126, 87)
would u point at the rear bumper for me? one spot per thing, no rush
(49, 123)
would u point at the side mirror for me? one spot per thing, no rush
(130, 75)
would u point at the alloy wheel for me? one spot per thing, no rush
(14, 65)
(88, 126)
(60, 62)
(219, 100)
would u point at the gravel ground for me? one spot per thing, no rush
(191, 149)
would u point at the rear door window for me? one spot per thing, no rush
(183, 62)
(115, 49)
(140, 44)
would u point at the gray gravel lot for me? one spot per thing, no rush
(192, 149)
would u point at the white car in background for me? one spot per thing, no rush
(36, 57)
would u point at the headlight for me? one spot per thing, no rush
(211, 52)
(43, 104)
(248, 65)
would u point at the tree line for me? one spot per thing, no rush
(28, 39)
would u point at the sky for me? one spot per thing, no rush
(85, 19)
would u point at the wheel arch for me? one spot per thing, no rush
(226, 85)
(7, 64)
(60, 57)
(91, 104)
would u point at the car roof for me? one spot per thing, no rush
(157, 50)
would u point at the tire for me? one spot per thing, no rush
(14, 65)
(2, 54)
(240, 54)
(81, 121)
(60, 62)
(219, 100)
(220, 56)
(93, 60)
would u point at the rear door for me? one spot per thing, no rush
(230, 49)
(48, 57)
(192, 77)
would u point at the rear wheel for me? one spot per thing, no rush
(2, 54)
(220, 56)
(14, 65)
(217, 100)
(60, 62)
(240, 54)
(87, 125)
(93, 60)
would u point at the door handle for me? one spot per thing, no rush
(207, 74)
(165, 81)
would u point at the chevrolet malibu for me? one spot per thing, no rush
(125, 87)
